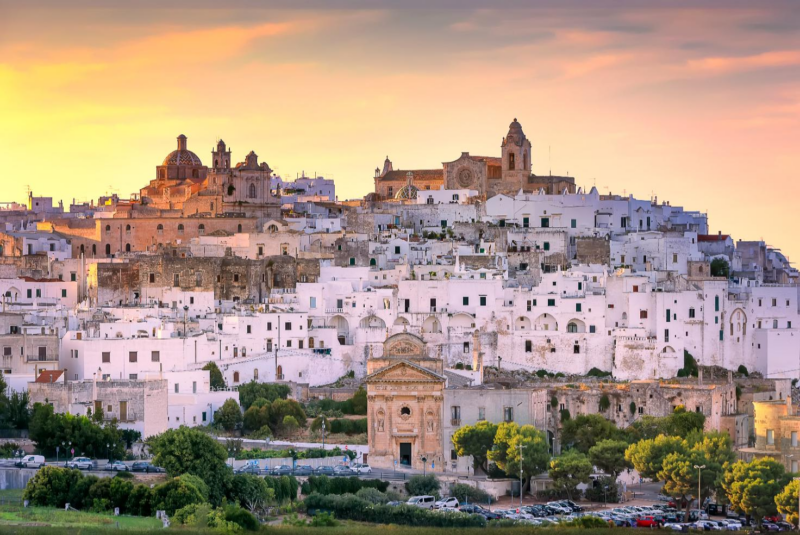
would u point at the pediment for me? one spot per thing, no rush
(405, 372)
(403, 345)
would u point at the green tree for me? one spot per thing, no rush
(647, 456)
(251, 491)
(214, 375)
(229, 416)
(186, 450)
(786, 501)
(249, 392)
(48, 430)
(359, 401)
(609, 456)
(51, 486)
(586, 430)
(682, 422)
(570, 470)
(289, 425)
(720, 268)
(281, 408)
(257, 415)
(475, 440)
(752, 487)
(175, 494)
(510, 438)
(423, 485)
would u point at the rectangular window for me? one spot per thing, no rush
(194, 387)
(577, 307)
(545, 222)
(525, 222)
(691, 313)
(455, 415)
(155, 356)
(133, 377)
(176, 280)
(716, 303)
(529, 306)
(152, 278)
(508, 414)
(666, 335)
(481, 413)
(269, 325)
(483, 300)
(770, 437)
(287, 326)
(133, 356)
(249, 329)
(396, 249)
(300, 344)
(592, 329)
(63, 293)
(528, 346)
(466, 347)
(288, 343)
(576, 349)
(29, 293)
(551, 302)
(106, 356)
(38, 292)
(465, 301)
(669, 318)
(642, 314)
(312, 302)
(573, 223)
(352, 261)
(547, 246)
(177, 388)
(794, 439)
(674, 258)
(721, 333)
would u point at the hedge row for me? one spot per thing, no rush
(350, 507)
(313, 453)
(285, 487)
(349, 427)
(341, 485)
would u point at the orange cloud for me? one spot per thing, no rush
(724, 65)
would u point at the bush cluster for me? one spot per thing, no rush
(285, 487)
(315, 453)
(350, 507)
(423, 486)
(227, 519)
(341, 425)
(341, 485)
(357, 405)
(469, 494)
(54, 486)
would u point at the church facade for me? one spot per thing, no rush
(405, 395)
(489, 175)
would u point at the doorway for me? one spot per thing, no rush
(405, 453)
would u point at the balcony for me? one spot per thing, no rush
(455, 422)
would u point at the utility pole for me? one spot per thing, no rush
(520, 474)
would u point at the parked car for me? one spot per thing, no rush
(784, 526)
(473, 509)
(248, 469)
(647, 522)
(117, 466)
(362, 468)
(446, 503)
(343, 471)
(30, 461)
(81, 463)
(674, 526)
(707, 525)
(303, 470)
(732, 525)
(324, 471)
(281, 470)
(769, 526)
(145, 466)
(426, 502)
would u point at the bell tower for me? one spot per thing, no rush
(516, 150)
(221, 157)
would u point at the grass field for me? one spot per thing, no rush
(15, 518)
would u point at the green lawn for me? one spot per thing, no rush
(16, 516)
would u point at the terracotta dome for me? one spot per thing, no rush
(182, 156)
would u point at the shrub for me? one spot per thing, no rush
(595, 492)
(372, 495)
(124, 475)
(140, 501)
(743, 370)
(469, 494)
(587, 522)
(241, 517)
(689, 366)
(596, 372)
(51, 486)
(341, 485)
(423, 485)
(324, 520)
(605, 403)
(284, 487)
(176, 494)
(352, 508)
(198, 483)
(349, 427)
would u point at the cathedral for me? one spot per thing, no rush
(184, 184)
(489, 175)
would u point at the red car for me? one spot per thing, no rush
(647, 522)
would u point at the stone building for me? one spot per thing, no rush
(777, 425)
(140, 404)
(405, 396)
(488, 175)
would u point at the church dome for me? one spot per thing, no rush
(407, 192)
(182, 156)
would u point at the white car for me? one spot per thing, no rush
(362, 469)
(425, 502)
(31, 461)
(731, 525)
(674, 526)
(447, 503)
(707, 526)
(81, 463)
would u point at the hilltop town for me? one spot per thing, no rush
(478, 291)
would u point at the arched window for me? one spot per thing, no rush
(235, 377)
(255, 374)
(108, 249)
(201, 229)
(160, 228)
(525, 160)
(108, 229)
(128, 229)
(511, 163)
(216, 163)
(127, 247)
(405, 411)
(251, 192)
(572, 328)
(273, 228)
(180, 228)
(239, 228)
(373, 262)
(279, 373)
(1, 250)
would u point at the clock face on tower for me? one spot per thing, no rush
(464, 178)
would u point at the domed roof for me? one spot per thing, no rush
(514, 125)
(182, 157)
(407, 192)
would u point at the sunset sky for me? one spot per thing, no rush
(696, 103)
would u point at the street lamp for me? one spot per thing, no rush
(605, 499)
(424, 466)
(185, 310)
(108, 452)
(699, 475)
(520, 474)
(323, 432)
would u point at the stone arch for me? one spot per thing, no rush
(523, 323)
(545, 322)
(342, 328)
(431, 325)
(373, 262)
(272, 228)
(738, 323)
(576, 326)
(462, 320)
(668, 349)
(279, 373)
(251, 191)
(401, 322)
(372, 322)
